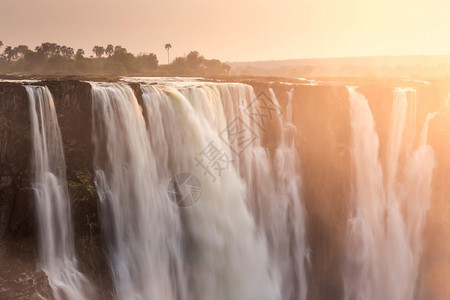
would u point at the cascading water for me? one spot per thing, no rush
(142, 227)
(208, 251)
(384, 232)
(288, 186)
(226, 260)
(56, 245)
(272, 181)
(361, 277)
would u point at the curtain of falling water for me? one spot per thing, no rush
(364, 252)
(138, 220)
(289, 224)
(56, 245)
(215, 254)
(226, 260)
(273, 183)
(384, 233)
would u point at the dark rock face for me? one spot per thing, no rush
(18, 243)
(321, 115)
(19, 278)
(16, 214)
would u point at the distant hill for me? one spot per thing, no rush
(409, 66)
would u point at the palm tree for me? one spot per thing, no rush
(168, 46)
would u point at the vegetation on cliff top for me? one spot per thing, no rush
(51, 59)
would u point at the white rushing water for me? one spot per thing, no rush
(214, 249)
(273, 183)
(384, 233)
(138, 220)
(56, 245)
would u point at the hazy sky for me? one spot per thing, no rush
(234, 30)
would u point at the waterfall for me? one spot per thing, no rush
(384, 232)
(200, 193)
(158, 250)
(288, 223)
(141, 226)
(365, 228)
(56, 244)
(227, 260)
(272, 181)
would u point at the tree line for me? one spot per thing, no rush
(51, 58)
